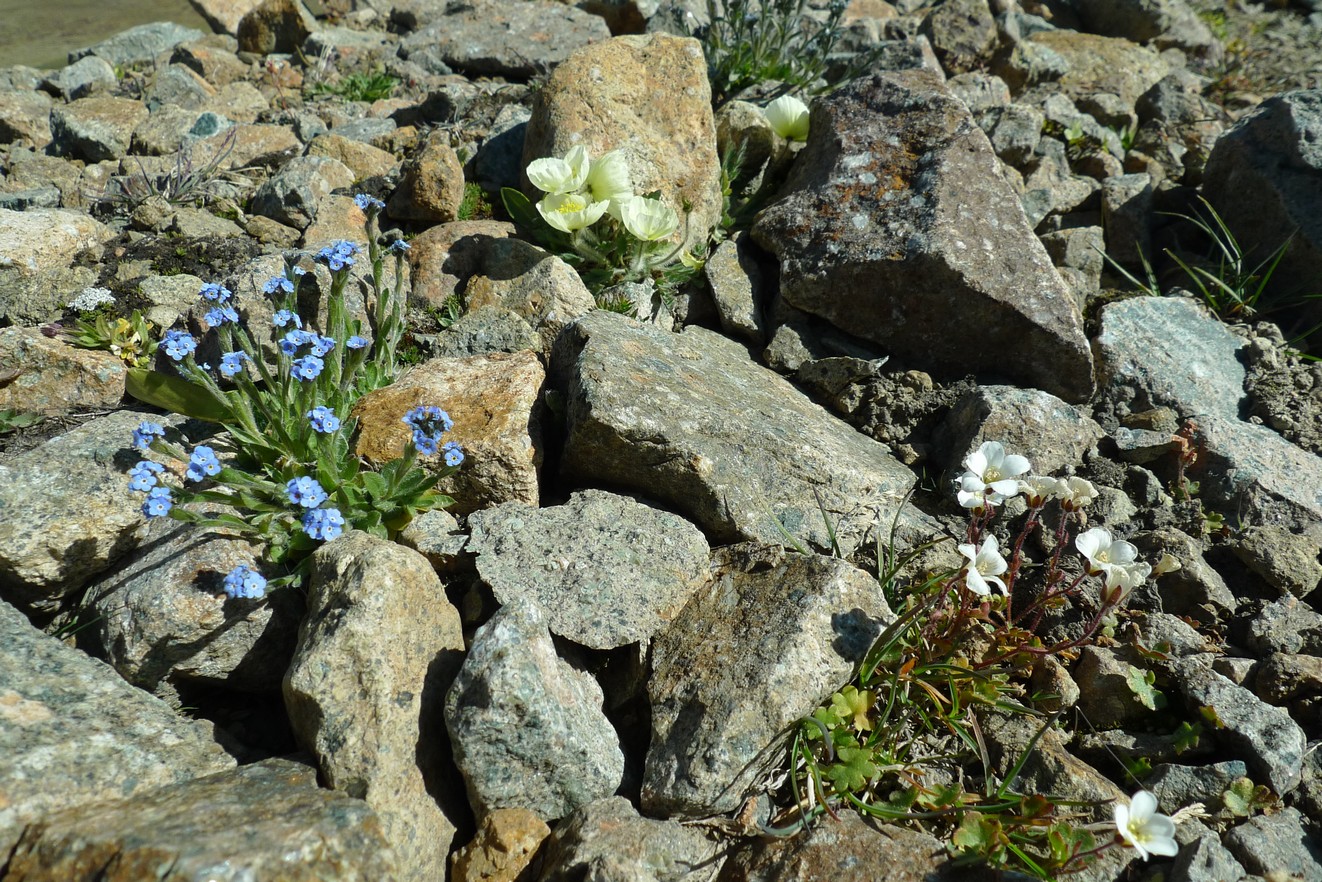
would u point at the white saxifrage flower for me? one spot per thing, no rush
(1076, 493)
(568, 212)
(788, 117)
(1115, 558)
(1039, 490)
(560, 176)
(974, 494)
(1143, 827)
(648, 219)
(997, 469)
(984, 567)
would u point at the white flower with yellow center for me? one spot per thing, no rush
(788, 117)
(995, 469)
(569, 212)
(984, 567)
(1076, 493)
(1143, 827)
(559, 176)
(649, 219)
(1115, 558)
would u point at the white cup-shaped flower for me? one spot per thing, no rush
(1039, 490)
(1143, 827)
(557, 176)
(984, 567)
(568, 212)
(788, 117)
(991, 465)
(1076, 493)
(610, 181)
(648, 219)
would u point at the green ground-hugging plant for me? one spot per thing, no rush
(371, 86)
(783, 46)
(903, 741)
(288, 468)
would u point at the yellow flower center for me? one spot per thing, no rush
(572, 204)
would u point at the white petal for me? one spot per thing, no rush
(1091, 542)
(976, 462)
(1142, 806)
(1007, 488)
(968, 551)
(1015, 465)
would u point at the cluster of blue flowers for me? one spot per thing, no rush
(429, 423)
(263, 418)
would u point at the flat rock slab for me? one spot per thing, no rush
(54, 377)
(1167, 352)
(266, 822)
(377, 652)
(72, 732)
(899, 228)
(689, 419)
(769, 638)
(608, 570)
(46, 238)
(608, 839)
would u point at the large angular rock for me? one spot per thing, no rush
(609, 841)
(850, 850)
(528, 728)
(604, 98)
(1095, 64)
(264, 822)
(66, 512)
(139, 44)
(431, 184)
(25, 117)
(164, 619)
(1266, 738)
(608, 570)
(444, 256)
(1169, 352)
(501, 39)
(293, 194)
(533, 284)
(95, 129)
(493, 401)
(72, 732)
(55, 378)
(1278, 845)
(690, 420)
(1264, 178)
(772, 635)
(378, 649)
(46, 238)
(899, 229)
(1052, 434)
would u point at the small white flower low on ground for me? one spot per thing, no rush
(984, 567)
(558, 176)
(1143, 827)
(1115, 558)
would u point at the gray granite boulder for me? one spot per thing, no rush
(377, 651)
(898, 228)
(1271, 744)
(608, 570)
(73, 733)
(261, 823)
(1053, 435)
(139, 44)
(1277, 845)
(528, 728)
(692, 421)
(1264, 178)
(294, 193)
(767, 640)
(608, 841)
(66, 512)
(80, 79)
(497, 38)
(95, 129)
(164, 619)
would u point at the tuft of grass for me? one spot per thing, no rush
(360, 86)
(777, 42)
(184, 183)
(1232, 288)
